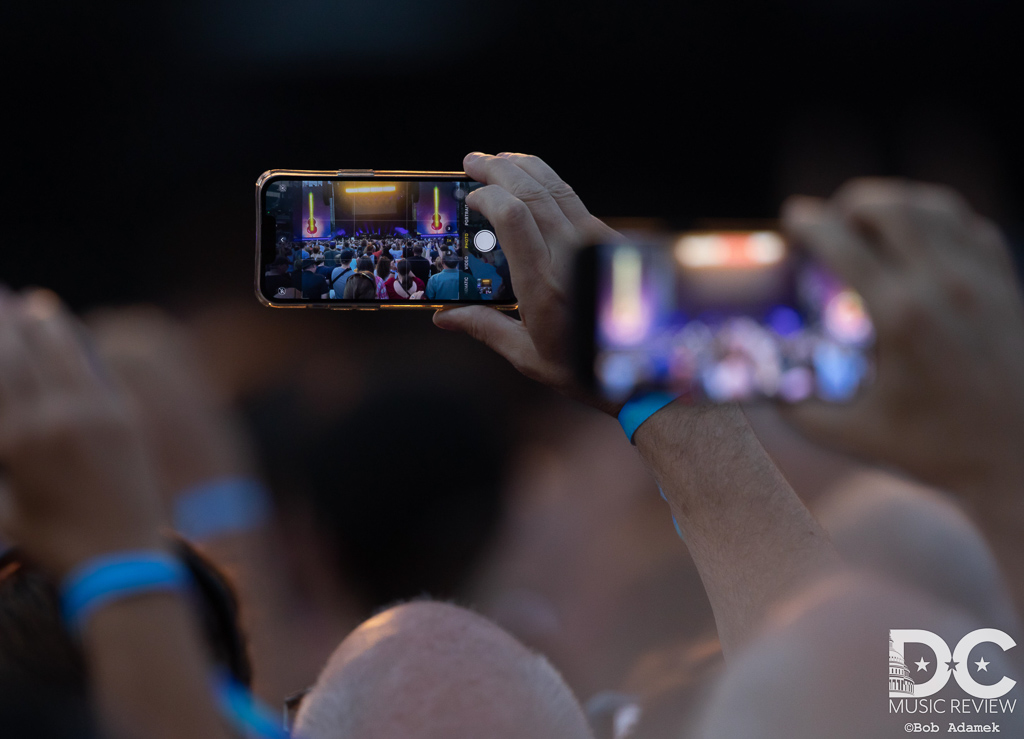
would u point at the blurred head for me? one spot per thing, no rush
(450, 261)
(402, 267)
(347, 255)
(435, 670)
(364, 264)
(384, 268)
(409, 528)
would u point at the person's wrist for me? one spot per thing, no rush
(680, 436)
(115, 576)
(636, 411)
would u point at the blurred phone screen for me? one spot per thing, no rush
(726, 316)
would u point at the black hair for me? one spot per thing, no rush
(418, 525)
(404, 277)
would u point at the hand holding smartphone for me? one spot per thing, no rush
(348, 239)
(718, 315)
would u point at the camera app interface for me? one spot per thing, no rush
(375, 241)
(727, 316)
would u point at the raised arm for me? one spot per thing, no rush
(750, 536)
(948, 403)
(77, 488)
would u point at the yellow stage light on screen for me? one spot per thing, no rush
(628, 322)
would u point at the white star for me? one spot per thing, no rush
(982, 664)
(921, 664)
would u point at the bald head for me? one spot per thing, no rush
(425, 669)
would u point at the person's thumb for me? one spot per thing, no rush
(503, 334)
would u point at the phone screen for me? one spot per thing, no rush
(726, 316)
(378, 241)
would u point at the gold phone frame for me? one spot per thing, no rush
(351, 174)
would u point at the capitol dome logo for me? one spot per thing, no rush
(900, 682)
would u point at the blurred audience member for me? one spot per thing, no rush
(403, 285)
(341, 273)
(445, 284)
(433, 670)
(419, 265)
(314, 285)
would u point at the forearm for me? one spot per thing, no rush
(750, 536)
(148, 670)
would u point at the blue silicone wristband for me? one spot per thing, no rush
(222, 506)
(245, 713)
(110, 577)
(639, 408)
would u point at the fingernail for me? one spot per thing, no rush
(475, 155)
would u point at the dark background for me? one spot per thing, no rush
(141, 130)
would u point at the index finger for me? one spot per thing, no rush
(561, 192)
(498, 170)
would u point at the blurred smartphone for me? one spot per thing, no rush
(719, 316)
(360, 239)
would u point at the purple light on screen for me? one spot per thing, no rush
(784, 321)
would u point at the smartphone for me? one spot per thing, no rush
(718, 316)
(369, 240)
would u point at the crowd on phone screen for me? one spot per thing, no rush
(392, 268)
(766, 622)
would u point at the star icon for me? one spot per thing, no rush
(982, 664)
(952, 665)
(921, 664)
